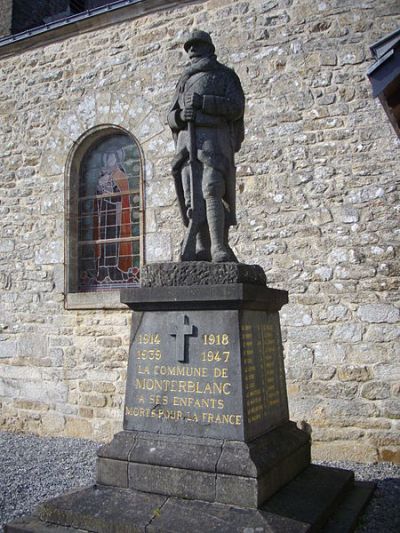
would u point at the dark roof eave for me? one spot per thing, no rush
(82, 22)
(382, 46)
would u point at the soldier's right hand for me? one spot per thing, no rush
(188, 114)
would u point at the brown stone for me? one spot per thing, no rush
(390, 454)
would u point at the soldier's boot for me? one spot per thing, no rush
(216, 226)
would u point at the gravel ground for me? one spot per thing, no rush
(34, 469)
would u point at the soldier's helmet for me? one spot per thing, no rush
(199, 35)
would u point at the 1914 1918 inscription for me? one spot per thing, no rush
(215, 374)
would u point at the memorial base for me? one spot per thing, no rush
(319, 499)
(207, 444)
(231, 472)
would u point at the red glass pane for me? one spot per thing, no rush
(109, 216)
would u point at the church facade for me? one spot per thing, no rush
(87, 198)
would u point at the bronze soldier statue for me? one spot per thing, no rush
(206, 119)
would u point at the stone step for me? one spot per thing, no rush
(304, 505)
(346, 516)
(31, 524)
(111, 510)
(312, 496)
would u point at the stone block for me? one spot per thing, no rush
(34, 525)
(323, 372)
(348, 332)
(44, 391)
(237, 490)
(53, 423)
(391, 409)
(8, 349)
(77, 427)
(379, 313)
(104, 387)
(253, 492)
(112, 472)
(7, 246)
(305, 335)
(390, 454)
(296, 315)
(354, 373)
(94, 400)
(335, 451)
(53, 253)
(329, 353)
(34, 346)
(382, 333)
(254, 459)
(103, 509)
(159, 247)
(190, 453)
(170, 481)
(323, 273)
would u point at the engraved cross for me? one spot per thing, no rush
(182, 330)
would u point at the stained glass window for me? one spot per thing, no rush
(109, 215)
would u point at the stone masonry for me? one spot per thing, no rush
(317, 194)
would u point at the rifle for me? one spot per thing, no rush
(195, 215)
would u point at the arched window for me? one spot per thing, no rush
(105, 223)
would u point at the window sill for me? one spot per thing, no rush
(94, 300)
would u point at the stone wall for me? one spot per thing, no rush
(317, 193)
(5, 17)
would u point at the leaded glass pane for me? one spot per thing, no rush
(109, 215)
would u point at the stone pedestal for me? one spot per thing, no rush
(206, 411)
(207, 442)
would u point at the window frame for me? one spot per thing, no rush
(107, 299)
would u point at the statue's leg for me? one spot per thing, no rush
(213, 191)
(232, 256)
(203, 244)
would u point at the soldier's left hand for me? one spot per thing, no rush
(194, 100)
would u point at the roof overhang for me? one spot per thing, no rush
(384, 76)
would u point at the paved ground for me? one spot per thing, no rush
(34, 469)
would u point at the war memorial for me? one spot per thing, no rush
(207, 442)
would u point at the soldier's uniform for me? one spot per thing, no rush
(219, 133)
